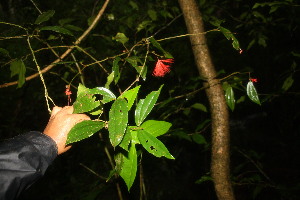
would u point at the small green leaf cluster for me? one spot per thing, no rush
(122, 135)
(230, 96)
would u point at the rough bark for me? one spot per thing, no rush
(220, 158)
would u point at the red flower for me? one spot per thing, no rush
(254, 80)
(162, 67)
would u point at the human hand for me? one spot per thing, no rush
(60, 123)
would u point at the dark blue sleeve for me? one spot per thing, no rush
(23, 160)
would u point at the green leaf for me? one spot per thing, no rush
(118, 119)
(126, 139)
(131, 95)
(156, 128)
(229, 96)
(72, 27)
(83, 130)
(86, 95)
(252, 94)
(106, 93)
(199, 106)
(57, 29)
(121, 37)
(116, 70)
(204, 179)
(45, 16)
(143, 25)
(110, 78)
(153, 145)
(287, 83)
(152, 14)
(85, 103)
(199, 139)
(145, 106)
(158, 46)
(229, 36)
(4, 52)
(17, 67)
(138, 65)
(129, 167)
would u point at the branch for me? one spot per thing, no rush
(68, 51)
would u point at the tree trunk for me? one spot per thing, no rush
(220, 159)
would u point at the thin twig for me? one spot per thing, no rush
(164, 27)
(92, 171)
(256, 165)
(41, 76)
(111, 162)
(36, 6)
(67, 52)
(78, 68)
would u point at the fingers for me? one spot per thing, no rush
(82, 117)
(55, 110)
(68, 109)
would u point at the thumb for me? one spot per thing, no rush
(55, 110)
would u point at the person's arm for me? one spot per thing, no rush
(25, 158)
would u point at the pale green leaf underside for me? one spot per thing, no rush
(252, 94)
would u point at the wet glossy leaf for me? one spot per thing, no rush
(145, 106)
(129, 167)
(84, 130)
(252, 93)
(118, 119)
(106, 94)
(131, 95)
(153, 145)
(156, 128)
(45, 16)
(86, 101)
(229, 96)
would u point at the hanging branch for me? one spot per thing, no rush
(68, 51)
